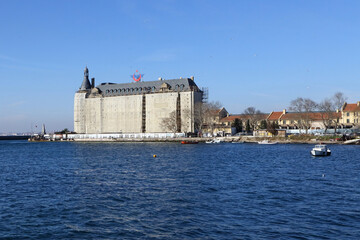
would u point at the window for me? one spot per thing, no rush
(347, 120)
(347, 114)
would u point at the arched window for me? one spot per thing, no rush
(153, 88)
(140, 89)
(182, 87)
(107, 91)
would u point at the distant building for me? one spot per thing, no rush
(301, 120)
(350, 114)
(254, 120)
(137, 107)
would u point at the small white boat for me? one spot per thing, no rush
(320, 150)
(266, 142)
(215, 140)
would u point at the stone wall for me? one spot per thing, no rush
(123, 114)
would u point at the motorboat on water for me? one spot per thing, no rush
(215, 140)
(320, 150)
(266, 142)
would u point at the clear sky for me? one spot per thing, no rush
(248, 53)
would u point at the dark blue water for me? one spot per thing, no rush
(227, 191)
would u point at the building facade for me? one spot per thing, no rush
(350, 114)
(137, 107)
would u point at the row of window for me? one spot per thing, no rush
(131, 90)
(355, 114)
(140, 89)
(355, 120)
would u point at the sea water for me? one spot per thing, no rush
(68, 190)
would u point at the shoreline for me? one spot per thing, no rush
(245, 140)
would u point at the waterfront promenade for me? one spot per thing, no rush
(243, 139)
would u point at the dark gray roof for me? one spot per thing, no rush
(112, 89)
(85, 84)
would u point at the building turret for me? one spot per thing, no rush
(86, 83)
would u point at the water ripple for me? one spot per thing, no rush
(226, 191)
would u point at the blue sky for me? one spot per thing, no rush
(248, 53)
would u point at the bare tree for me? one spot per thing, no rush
(170, 123)
(254, 116)
(338, 100)
(176, 123)
(327, 113)
(330, 108)
(205, 115)
(303, 106)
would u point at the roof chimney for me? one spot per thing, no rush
(192, 78)
(284, 111)
(358, 104)
(160, 79)
(92, 82)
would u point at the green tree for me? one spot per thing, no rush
(271, 128)
(237, 124)
(255, 116)
(247, 126)
(65, 130)
(263, 124)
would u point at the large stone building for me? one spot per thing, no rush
(137, 107)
